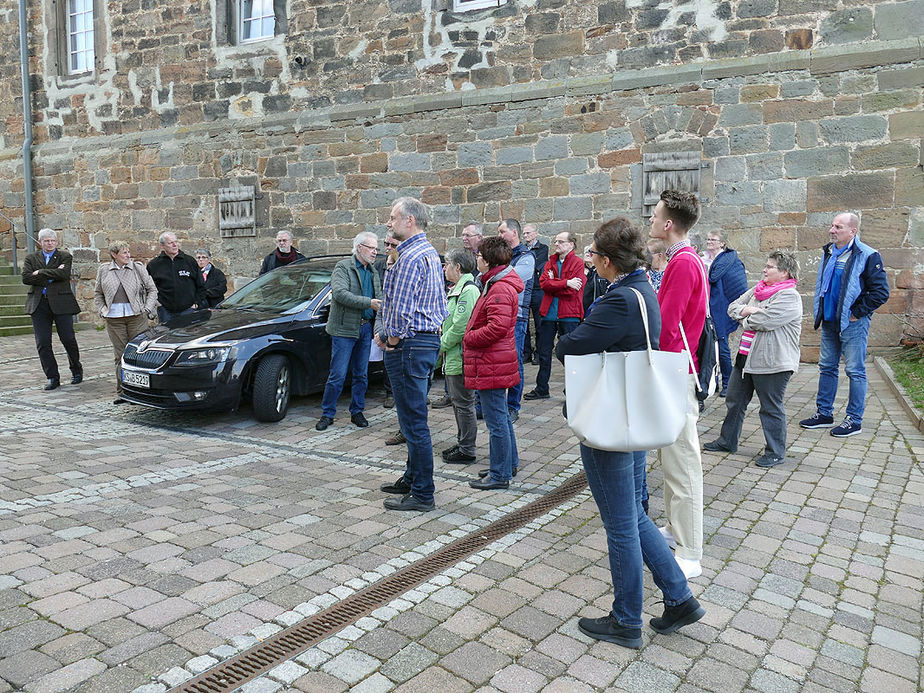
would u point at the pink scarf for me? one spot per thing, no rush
(764, 291)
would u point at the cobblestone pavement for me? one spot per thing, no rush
(137, 548)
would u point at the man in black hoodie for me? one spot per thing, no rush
(176, 275)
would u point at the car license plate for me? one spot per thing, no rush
(136, 379)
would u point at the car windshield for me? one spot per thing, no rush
(281, 290)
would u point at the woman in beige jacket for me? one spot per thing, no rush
(768, 355)
(126, 296)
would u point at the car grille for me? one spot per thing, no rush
(152, 358)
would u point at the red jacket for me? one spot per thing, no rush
(570, 301)
(683, 297)
(489, 350)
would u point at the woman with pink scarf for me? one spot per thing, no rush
(768, 355)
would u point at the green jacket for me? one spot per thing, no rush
(347, 301)
(461, 301)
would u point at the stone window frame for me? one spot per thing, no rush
(59, 40)
(467, 5)
(227, 23)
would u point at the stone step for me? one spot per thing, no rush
(11, 331)
(11, 299)
(15, 321)
(11, 280)
(11, 310)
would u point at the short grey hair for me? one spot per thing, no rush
(47, 233)
(412, 207)
(478, 228)
(117, 247)
(287, 233)
(786, 262)
(204, 251)
(463, 258)
(362, 236)
(513, 225)
(852, 218)
(163, 237)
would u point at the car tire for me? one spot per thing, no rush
(272, 386)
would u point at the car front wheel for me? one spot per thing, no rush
(272, 385)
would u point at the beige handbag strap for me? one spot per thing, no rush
(643, 309)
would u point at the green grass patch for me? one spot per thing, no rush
(909, 371)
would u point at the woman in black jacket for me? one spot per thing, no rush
(613, 323)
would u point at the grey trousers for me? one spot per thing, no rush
(770, 389)
(463, 404)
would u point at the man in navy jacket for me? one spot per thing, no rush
(851, 284)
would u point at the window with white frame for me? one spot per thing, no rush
(257, 20)
(81, 54)
(465, 5)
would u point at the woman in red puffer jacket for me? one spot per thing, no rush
(489, 357)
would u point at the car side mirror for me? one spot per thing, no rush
(324, 312)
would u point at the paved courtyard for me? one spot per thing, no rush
(138, 548)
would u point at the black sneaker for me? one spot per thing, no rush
(846, 429)
(768, 460)
(400, 487)
(407, 502)
(608, 629)
(323, 423)
(817, 421)
(359, 420)
(535, 394)
(457, 457)
(482, 473)
(675, 617)
(716, 446)
(514, 415)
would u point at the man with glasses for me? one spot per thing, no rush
(284, 254)
(356, 294)
(562, 308)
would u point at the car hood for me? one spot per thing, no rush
(216, 325)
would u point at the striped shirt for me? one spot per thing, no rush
(414, 296)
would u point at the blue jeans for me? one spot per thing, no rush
(725, 362)
(353, 354)
(409, 366)
(851, 343)
(504, 457)
(615, 480)
(545, 340)
(515, 393)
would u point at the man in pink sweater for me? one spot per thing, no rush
(683, 298)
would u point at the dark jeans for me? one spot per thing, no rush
(409, 366)
(515, 393)
(615, 480)
(770, 389)
(42, 320)
(548, 329)
(725, 361)
(353, 355)
(535, 302)
(164, 315)
(503, 442)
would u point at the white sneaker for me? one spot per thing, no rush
(691, 569)
(668, 537)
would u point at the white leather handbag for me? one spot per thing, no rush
(627, 400)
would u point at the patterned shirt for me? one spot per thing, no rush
(685, 243)
(414, 293)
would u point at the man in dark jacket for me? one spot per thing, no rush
(356, 295)
(178, 280)
(214, 280)
(851, 284)
(540, 252)
(284, 254)
(524, 264)
(47, 273)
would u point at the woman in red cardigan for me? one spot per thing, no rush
(489, 357)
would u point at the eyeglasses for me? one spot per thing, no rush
(591, 251)
(558, 242)
(391, 244)
(371, 248)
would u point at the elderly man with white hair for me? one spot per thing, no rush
(356, 294)
(47, 273)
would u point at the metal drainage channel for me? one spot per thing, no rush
(286, 644)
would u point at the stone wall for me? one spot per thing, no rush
(166, 64)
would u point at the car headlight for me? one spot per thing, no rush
(202, 357)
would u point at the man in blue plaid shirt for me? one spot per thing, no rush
(413, 309)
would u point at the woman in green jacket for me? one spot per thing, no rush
(458, 268)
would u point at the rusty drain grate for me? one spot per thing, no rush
(286, 644)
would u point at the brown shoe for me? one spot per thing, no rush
(396, 439)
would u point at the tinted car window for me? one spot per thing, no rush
(281, 290)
